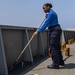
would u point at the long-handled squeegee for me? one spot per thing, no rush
(25, 48)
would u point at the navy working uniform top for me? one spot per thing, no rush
(51, 20)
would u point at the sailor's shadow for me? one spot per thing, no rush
(68, 66)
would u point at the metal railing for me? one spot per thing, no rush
(12, 41)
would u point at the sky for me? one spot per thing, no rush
(29, 13)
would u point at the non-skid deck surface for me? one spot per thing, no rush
(68, 69)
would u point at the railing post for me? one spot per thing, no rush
(3, 64)
(27, 54)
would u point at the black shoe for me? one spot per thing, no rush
(53, 66)
(62, 63)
